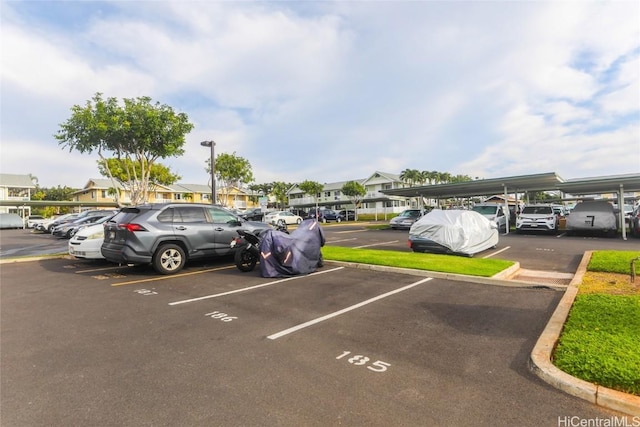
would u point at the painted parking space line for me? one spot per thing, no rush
(341, 240)
(172, 276)
(349, 231)
(376, 244)
(345, 310)
(497, 252)
(254, 287)
(92, 270)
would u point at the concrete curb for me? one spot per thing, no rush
(499, 279)
(541, 365)
(33, 258)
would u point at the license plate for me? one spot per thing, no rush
(534, 225)
(112, 235)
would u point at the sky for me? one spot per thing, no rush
(334, 91)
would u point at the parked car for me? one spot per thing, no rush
(301, 213)
(48, 225)
(253, 214)
(329, 215)
(34, 220)
(282, 217)
(86, 243)
(560, 210)
(10, 220)
(493, 212)
(348, 215)
(592, 217)
(634, 222)
(538, 218)
(455, 231)
(316, 213)
(168, 235)
(67, 230)
(405, 219)
(77, 216)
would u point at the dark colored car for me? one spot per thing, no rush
(254, 214)
(69, 229)
(168, 235)
(328, 215)
(348, 215)
(302, 214)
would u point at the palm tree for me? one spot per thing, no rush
(410, 176)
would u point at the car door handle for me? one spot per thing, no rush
(181, 227)
(218, 229)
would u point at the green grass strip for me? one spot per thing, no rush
(601, 341)
(613, 261)
(419, 261)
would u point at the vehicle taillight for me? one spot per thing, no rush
(132, 227)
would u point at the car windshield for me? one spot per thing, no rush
(410, 214)
(485, 210)
(538, 210)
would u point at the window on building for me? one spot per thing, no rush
(104, 194)
(18, 192)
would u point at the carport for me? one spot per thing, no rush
(615, 184)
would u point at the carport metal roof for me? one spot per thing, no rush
(522, 183)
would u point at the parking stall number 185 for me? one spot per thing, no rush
(359, 360)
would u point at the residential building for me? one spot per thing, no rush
(103, 190)
(374, 202)
(16, 188)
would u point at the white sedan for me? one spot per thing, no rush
(282, 217)
(87, 242)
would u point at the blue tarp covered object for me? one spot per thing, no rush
(284, 255)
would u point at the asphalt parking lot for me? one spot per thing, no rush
(91, 343)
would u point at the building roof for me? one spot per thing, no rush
(14, 180)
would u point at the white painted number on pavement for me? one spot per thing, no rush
(222, 316)
(360, 360)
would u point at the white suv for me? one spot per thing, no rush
(494, 213)
(537, 218)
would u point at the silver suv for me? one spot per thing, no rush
(167, 235)
(538, 218)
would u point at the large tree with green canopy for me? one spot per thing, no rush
(231, 170)
(355, 192)
(311, 188)
(135, 133)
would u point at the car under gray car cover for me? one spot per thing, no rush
(284, 255)
(462, 231)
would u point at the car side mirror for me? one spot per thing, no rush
(234, 223)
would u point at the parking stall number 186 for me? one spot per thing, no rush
(359, 360)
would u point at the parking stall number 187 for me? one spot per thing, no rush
(359, 360)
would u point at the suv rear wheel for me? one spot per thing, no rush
(169, 259)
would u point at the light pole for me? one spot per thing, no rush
(212, 144)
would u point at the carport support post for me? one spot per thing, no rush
(623, 223)
(506, 210)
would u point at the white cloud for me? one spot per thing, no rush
(335, 91)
